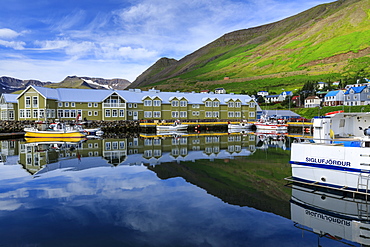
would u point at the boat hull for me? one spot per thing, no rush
(332, 165)
(53, 134)
(172, 128)
(277, 127)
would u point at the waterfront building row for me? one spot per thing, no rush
(41, 103)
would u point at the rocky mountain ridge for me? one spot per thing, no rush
(10, 84)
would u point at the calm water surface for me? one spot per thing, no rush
(192, 190)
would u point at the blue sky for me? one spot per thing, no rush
(48, 40)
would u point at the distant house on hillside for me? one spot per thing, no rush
(334, 98)
(220, 90)
(205, 91)
(321, 85)
(263, 93)
(357, 96)
(312, 101)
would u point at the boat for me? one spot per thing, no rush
(54, 130)
(240, 126)
(92, 132)
(176, 126)
(269, 123)
(338, 156)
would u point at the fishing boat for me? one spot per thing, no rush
(269, 123)
(54, 130)
(338, 156)
(240, 126)
(176, 126)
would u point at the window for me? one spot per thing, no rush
(89, 113)
(237, 104)
(66, 104)
(89, 104)
(107, 113)
(147, 103)
(114, 113)
(157, 114)
(35, 101)
(41, 113)
(28, 113)
(35, 114)
(11, 115)
(231, 114)
(130, 113)
(183, 114)
(122, 113)
(238, 114)
(66, 113)
(216, 104)
(183, 103)
(156, 103)
(196, 106)
(147, 114)
(208, 114)
(60, 104)
(129, 105)
(121, 145)
(21, 113)
(73, 104)
(135, 105)
(73, 113)
(251, 114)
(215, 114)
(95, 104)
(175, 103)
(252, 105)
(175, 114)
(28, 101)
(208, 104)
(60, 114)
(231, 104)
(96, 113)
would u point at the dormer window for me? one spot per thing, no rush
(147, 103)
(175, 103)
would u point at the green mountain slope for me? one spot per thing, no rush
(328, 42)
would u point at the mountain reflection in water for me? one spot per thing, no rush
(213, 189)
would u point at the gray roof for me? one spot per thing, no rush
(134, 96)
(10, 98)
(283, 113)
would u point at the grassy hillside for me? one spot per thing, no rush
(326, 43)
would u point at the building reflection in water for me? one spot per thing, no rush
(43, 156)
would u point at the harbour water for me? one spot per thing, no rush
(203, 189)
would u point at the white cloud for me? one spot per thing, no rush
(16, 45)
(6, 33)
(139, 53)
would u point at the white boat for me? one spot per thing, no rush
(266, 123)
(338, 156)
(176, 126)
(241, 126)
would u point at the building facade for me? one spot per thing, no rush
(40, 103)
